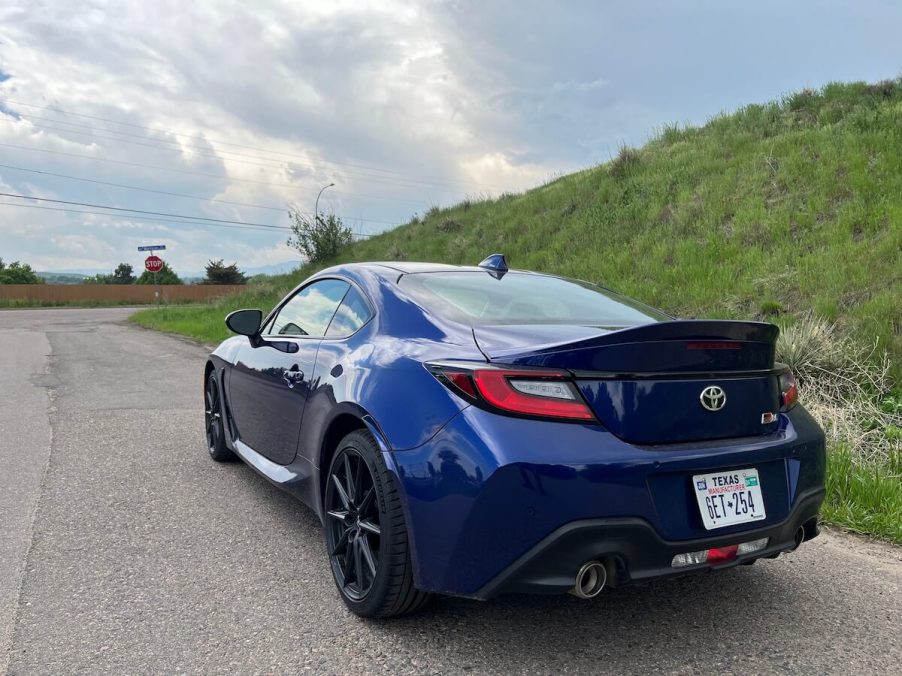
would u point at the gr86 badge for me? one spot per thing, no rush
(729, 498)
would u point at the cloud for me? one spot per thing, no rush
(250, 107)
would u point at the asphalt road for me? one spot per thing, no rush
(126, 550)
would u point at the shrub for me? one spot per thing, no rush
(627, 158)
(220, 273)
(845, 387)
(18, 273)
(318, 238)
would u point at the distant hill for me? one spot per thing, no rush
(274, 269)
(61, 277)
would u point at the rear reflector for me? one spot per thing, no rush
(718, 555)
(789, 390)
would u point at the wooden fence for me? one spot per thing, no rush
(140, 294)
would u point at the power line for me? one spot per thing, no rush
(177, 146)
(136, 211)
(134, 217)
(201, 173)
(173, 194)
(216, 155)
(158, 220)
(238, 145)
(134, 187)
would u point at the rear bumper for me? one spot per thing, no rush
(489, 494)
(633, 551)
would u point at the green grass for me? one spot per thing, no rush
(769, 212)
(865, 499)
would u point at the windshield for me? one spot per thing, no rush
(479, 299)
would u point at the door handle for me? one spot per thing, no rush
(293, 376)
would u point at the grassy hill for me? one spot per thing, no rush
(774, 212)
(767, 212)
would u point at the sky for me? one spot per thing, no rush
(234, 110)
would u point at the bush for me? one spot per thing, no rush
(318, 238)
(846, 388)
(18, 273)
(220, 273)
(627, 158)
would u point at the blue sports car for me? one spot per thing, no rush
(477, 430)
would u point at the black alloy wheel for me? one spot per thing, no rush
(366, 537)
(354, 534)
(213, 422)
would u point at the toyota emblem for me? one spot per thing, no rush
(713, 398)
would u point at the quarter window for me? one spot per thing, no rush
(310, 310)
(350, 316)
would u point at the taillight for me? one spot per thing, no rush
(542, 393)
(789, 390)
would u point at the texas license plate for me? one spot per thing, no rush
(729, 498)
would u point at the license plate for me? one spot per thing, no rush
(729, 498)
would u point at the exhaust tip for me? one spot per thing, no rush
(590, 580)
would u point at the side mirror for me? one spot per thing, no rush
(245, 322)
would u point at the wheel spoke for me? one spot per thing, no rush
(342, 495)
(358, 563)
(371, 527)
(349, 478)
(342, 542)
(358, 479)
(368, 555)
(337, 514)
(346, 568)
(367, 501)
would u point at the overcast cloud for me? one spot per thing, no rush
(401, 105)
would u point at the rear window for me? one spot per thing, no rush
(478, 299)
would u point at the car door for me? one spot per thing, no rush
(271, 379)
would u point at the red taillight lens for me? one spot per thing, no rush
(529, 392)
(789, 390)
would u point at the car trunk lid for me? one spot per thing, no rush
(665, 382)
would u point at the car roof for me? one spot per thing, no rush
(396, 268)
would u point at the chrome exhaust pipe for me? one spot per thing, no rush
(590, 580)
(798, 538)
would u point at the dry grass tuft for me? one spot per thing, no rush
(844, 386)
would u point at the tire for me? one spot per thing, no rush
(366, 538)
(214, 424)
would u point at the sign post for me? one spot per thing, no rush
(154, 264)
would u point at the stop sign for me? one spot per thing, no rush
(153, 263)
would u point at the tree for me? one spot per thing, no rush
(123, 274)
(166, 275)
(18, 273)
(220, 273)
(318, 238)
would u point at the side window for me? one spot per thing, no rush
(310, 310)
(351, 315)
